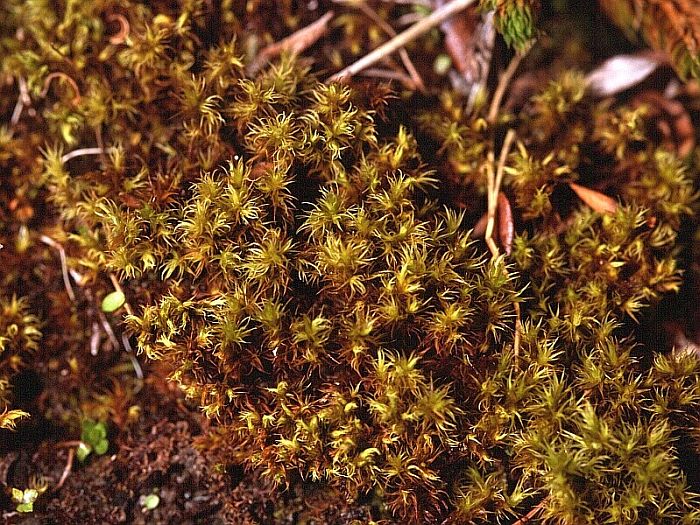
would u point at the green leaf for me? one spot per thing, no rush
(83, 452)
(25, 507)
(150, 502)
(101, 447)
(113, 301)
(17, 494)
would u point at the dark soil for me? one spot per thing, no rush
(154, 455)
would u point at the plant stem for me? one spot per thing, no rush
(423, 26)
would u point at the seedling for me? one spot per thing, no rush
(93, 438)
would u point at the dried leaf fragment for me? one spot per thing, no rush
(622, 72)
(505, 223)
(595, 199)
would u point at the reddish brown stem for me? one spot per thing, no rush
(59, 74)
(67, 469)
(124, 29)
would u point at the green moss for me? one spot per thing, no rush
(19, 337)
(290, 260)
(514, 20)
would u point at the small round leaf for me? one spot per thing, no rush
(113, 301)
(101, 447)
(150, 502)
(83, 452)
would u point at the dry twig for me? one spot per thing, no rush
(386, 27)
(64, 265)
(66, 470)
(495, 178)
(124, 29)
(118, 288)
(69, 444)
(389, 75)
(504, 81)
(436, 18)
(22, 101)
(73, 84)
(494, 181)
(81, 152)
(533, 512)
(295, 43)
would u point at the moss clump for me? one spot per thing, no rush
(19, 336)
(289, 259)
(514, 19)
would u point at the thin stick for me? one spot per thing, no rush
(124, 29)
(81, 152)
(294, 43)
(386, 27)
(533, 512)
(409, 19)
(504, 81)
(423, 26)
(495, 183)
(60, 74)
(66, 469)
(64, 265)
(491, 206)
(67, 444)
(134, 362)
(95, 339)
(518, 331)
(118, 288)
(403, 54)
(108, 329)
(389, 75)
(507, 143)
(22, 101)
(425, 3)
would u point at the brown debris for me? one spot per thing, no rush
(295, 43)
(424, 25)
(596, 200)
(671, 119)
(506, 228)
(469, 40)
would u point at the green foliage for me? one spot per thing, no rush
(515, 19)
(9, 418)
(93, 438)
(25, 498)
(113, 301)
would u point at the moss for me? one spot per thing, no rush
(19, 336)
(514, 19)
(289, 258)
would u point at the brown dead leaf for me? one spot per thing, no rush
(505, 223)
(622, 72)
(595, 199)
